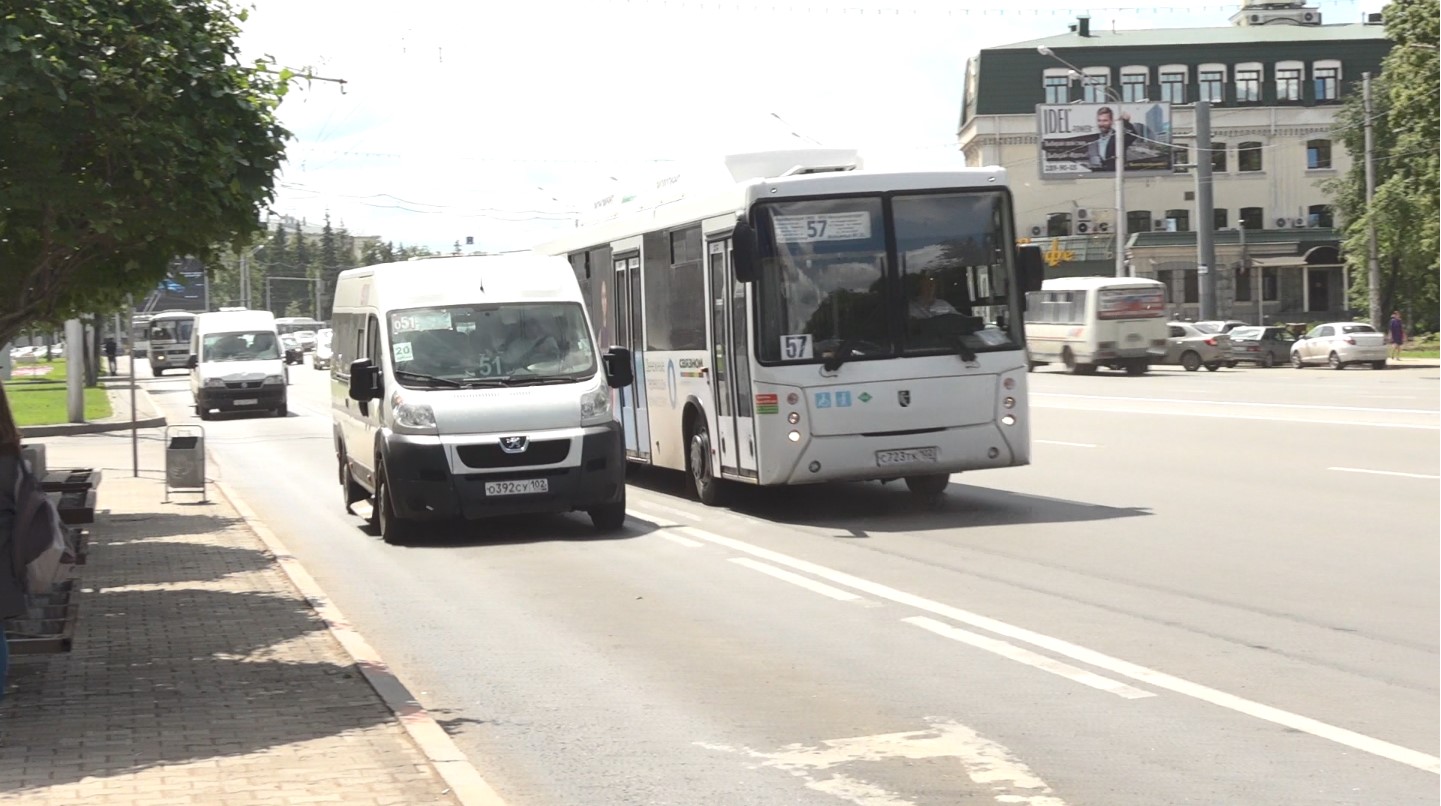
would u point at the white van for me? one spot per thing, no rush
(237, 364)
(1086, 322)
(466, 387)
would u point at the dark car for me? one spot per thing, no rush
(294, 353)
(1264, 346)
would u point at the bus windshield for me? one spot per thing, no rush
(171, 330)
(830, 284)
(465, 345)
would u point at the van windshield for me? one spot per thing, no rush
(480, 344)
(246, 345)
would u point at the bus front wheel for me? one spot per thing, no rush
(697, 460)
(928, 487)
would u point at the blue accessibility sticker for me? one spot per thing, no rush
(823, 400)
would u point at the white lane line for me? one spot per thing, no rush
(1384, 472)
(646, 516)
(1067, 444)
(679, 513)
(684, 541)
(1292, 420)
(796, 579)
(1029, 658)
(1237, 403)
(1342, 736)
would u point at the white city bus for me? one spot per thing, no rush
(169, 336)
(1086, 322)
(778, 332)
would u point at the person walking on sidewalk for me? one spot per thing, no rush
(111, 348)
(12, 591)
(1398, 334)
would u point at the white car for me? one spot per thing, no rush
(306, 339)
(1337, 344)
(321, 357)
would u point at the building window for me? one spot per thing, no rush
(1058, 224)
(1094, 87)
(1319, 215)
(1318, 154)
(1269, 285)
(1248, 157)
(1244, 283)
(1138, 221)
(1327, 76)
(1182, 219)
(1134, 84)
(1212, 81)
(1218, 157)
(1191, 286)
(1058, 89)
(1180, 155)
(1288, 81)
(1253, 218)
(1173, 85)
(1248, 83)
(1218, 218)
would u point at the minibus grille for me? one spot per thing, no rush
(242, 384)
(540, 452)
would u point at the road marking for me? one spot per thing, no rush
(796, 579)
(1029, 658)
(1332, 733)
(679, 513)
(1067, 444)
(1238, 403)
(1384, 472)
(1110, 410)
(684, 541)
(990, 765)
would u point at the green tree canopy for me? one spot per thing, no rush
(130, 134)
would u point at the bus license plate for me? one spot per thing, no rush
(907, 456)
(517, 487)
(247, 402)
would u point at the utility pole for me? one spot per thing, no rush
(1205, 211)
(1373, 262)
(1120, 224)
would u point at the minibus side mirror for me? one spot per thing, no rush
(745, 253)
(619, 372)
(364, 380)
(1032, 268)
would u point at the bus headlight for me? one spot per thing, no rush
(595, 406)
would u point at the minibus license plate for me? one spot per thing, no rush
(517, 487)
(247, 402)
(908, 456)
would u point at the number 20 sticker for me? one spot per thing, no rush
(796, 348)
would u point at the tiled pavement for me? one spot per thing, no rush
(198, 674)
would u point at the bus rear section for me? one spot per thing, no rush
(1084, 323)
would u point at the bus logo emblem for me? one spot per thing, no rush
(514, 444)
(905, 397)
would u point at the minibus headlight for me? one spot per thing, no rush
(595, 404)
(213, 383)
(412, 415)
(274, 380)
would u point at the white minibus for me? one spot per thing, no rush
(467, 387)
(237, 364)
(1089, 322)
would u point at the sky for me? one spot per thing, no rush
(503, 121)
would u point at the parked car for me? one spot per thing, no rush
(1264, 346)
(1338, 344)
(1194, 348)
(293, 352)
(321, 357)
(1219, 325)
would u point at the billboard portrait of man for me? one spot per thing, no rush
(1081, 139)
(1101, 151)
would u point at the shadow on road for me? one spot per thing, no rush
(515, 530)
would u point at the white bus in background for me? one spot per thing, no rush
(169, 341)
(140, 335)
(809, 321)
(1090, 322)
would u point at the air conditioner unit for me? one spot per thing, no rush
(1103, 227)
(1035, 230)
(1082, 214)
(1298, 222)
(1280, 222)
(1083, 228)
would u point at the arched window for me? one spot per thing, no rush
(1288, 81)
(1318, 154)
(1326, 75)
(1248, 82)
(1248, 158)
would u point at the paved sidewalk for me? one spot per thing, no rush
(199, 674)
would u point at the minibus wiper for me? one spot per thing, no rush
(420, 376)
(511, 380)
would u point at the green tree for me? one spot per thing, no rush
(1404, 137)
(328, 266)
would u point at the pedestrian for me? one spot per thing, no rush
(1398, 335)
(12, 580)
(111, 348)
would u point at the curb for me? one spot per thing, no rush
(102, 426)
(465, 782)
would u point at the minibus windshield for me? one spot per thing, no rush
(240, 346)
(481, 345)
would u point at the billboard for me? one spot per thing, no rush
(183, 289)
(1078, 140)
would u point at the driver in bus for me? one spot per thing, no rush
(926, 304)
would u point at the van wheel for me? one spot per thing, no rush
(1191, 360)
(697, 465)
(394, 530)
(929, 487)
(608, 517)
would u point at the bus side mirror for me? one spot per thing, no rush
(619, 371)
(745, 253)
(364, 380)
(192, 362)
(1032, 268)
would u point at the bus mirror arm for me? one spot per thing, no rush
(745, 252)
(1032, 268)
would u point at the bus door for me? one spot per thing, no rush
(628, 332)
(730, 359)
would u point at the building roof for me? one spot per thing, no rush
(1215, 35)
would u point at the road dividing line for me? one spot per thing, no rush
(684, 541)
(796, 579)
(1241, 403)
(1029, 658)
(1067, 444)
(679, 513)
(1332, 733)
(1220, 416)
(1384, 472)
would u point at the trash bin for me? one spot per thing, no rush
(184, 460)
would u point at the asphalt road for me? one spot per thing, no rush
(1207, 589)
